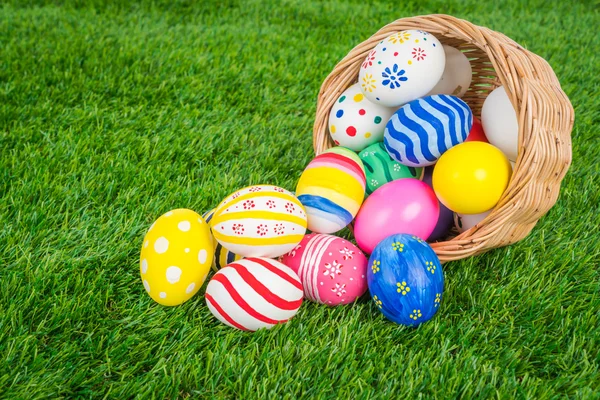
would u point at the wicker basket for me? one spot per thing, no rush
(545, 122)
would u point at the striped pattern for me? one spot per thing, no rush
(222, 255)
(315, 249)
(332, 189)
(254, 293)
(259, 221)
(381, 169)
(422, 130)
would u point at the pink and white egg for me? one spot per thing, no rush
(332, 270)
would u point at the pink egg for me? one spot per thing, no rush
(332, 270)
(401, 206)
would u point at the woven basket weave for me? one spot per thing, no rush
(545, 121)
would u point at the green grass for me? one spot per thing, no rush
(112, 113)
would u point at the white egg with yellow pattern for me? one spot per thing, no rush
(177, 253)
(259, 221)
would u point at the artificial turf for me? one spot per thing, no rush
(112, 113)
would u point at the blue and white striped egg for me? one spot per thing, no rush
(424, 129)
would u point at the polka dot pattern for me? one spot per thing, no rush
(176, 257)
(350, 121)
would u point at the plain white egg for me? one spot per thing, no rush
(457, 75)
(464, 222)
(500, 124)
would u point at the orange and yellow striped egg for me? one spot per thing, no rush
(259, 221)
(176, 256)
(332, 188)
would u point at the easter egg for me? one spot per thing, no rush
(259, 221)
(332, 188)
(355, 122)
(381, 169)
(477, 134)
(176, 255)
(332, 270)
(424, 129)
(464, 222)
(457, 74)
(402, 68)
(446, 216)
(254, 293)
(500, 123)
(401, 206)
(405, 279)
(471, 177)
(222, 255)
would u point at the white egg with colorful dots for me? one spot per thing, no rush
(402, 67)
(355, 122)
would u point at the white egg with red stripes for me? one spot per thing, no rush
(254, 293)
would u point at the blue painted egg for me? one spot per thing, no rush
(405, 279)
(424, 129)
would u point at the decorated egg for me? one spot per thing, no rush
(222, 255)
(332, 270)
(401, 206)
(176, 255)
(381, 169)
(471, 177)
(464, 222)
(405, 279)
(259, 221)
(457, 75)
(477, 134)
(422, 130)
(355, 122)
(500, 123)
(254, 293)
(402, 68)
(332, 188)
(446, 216)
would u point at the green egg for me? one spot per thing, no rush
(381, 169)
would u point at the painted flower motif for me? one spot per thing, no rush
(278, 189)
(261, 229)
(254, 189)
(416, 314)
(430, 266)
(347, 254)
(397, 167)
(339, 290)
(398, 246)
(235, 196)
(270, 204)
(419, 54)
(399, 37)
(375, 267)
(418, 239)
(378, 302)
(248, 204)
(423, 33)
(374, 182)
(402, 288)
(393, 77)
(333, 269)
(289, 207)
(279, 229)
(292, 252)
(368, 83)
(238, 229)
(438, 299)
(369, 60)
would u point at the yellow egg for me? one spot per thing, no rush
(471, 177)
(177, 253)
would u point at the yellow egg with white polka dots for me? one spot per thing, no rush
(176, 256)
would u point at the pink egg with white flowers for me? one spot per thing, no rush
(332, 270)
